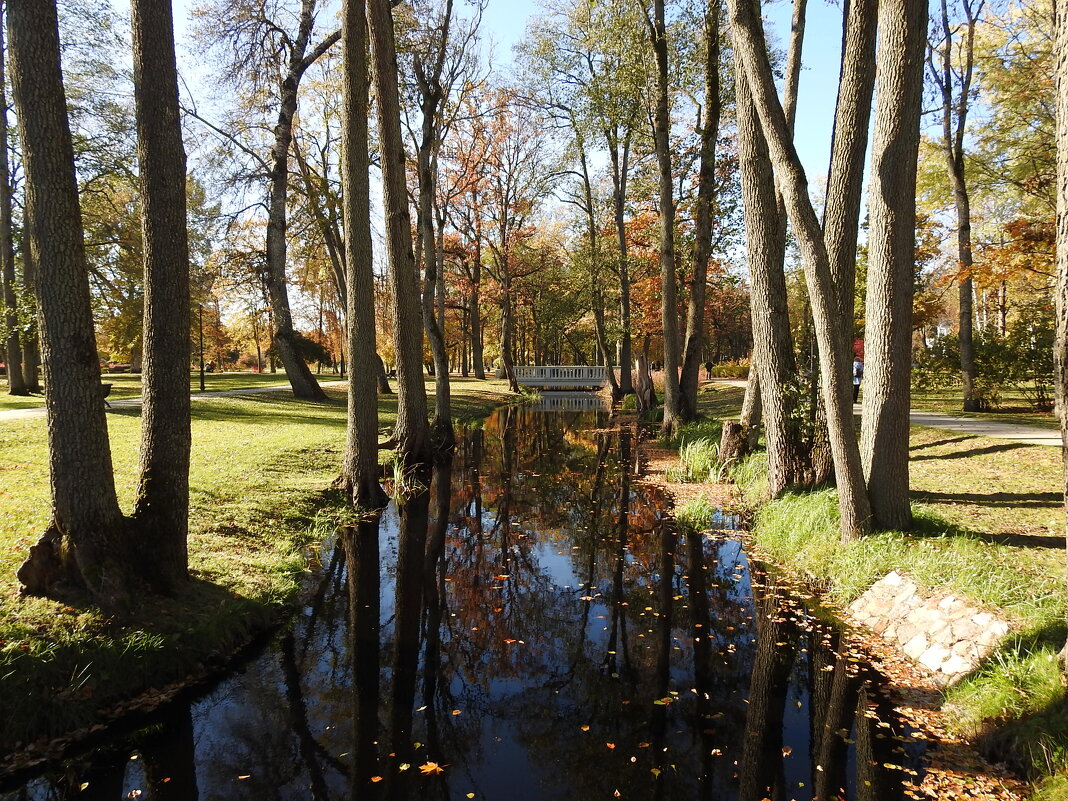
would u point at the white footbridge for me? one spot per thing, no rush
(561, 377)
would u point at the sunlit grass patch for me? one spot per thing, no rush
(260, 474)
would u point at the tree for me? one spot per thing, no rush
(751, 55)
(16, 383)
(702, 246)
(261, 47)
(411, 435)
(360, 465)
(86, 542)
(161, 507)
(954, 85)
(1061, 346)
(668, 288)
(891, 260)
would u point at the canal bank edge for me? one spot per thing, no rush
(955, 769)
(124, 670)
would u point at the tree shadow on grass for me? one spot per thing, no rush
(970, 452)
(939, 442)
(931, 525)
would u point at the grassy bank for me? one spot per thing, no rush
(128, 385)
(989, 526)
(260, 500)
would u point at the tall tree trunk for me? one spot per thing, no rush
(619, 152)
(359, 470)
(841, 214)
(1060, 350)
(595, 272)
(702, 248)
(773, 365)
(31, 355)
(412, 434)
(16, 383)
(891, 261)
(285, 338)
(668, 289)
(87, 542)
(954, 119)
(441, 431)
(161, 508)
(751, 54)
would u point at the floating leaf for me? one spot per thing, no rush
(456, 712)
(431, 768)
(376, 779)
(403, 766)
(584, 728)
(610, 745)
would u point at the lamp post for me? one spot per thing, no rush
(200, 308)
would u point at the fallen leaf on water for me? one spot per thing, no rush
(617, 794)
(655, 772)
(456, 712)
(246, 776)
(376, 779)
(470, 795)
(502, 577)
(509, 640)
(610, 745)
(83, 785)
(403, 766)
(431, 768)
(584, 728)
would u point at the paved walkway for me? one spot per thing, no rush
(995, 429)
(133, 403)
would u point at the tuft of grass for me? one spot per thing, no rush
(704, 428)
(695, 515)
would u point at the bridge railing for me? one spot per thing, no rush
(567, 373)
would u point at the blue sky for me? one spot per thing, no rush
(505, 22)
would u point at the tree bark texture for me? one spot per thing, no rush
(412, 433)
(359, 470)
(31, 354)
(619, 153)
(431, 95)
(702, 247)
(751, 54)
(668, 289)
(954, 119)
(1060, 349)
(87, 542)
(16, 383)
(300, 376)
(161, 508)
(891, 261)
(845, 179)
(773, 367)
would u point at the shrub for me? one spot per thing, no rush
(733, 369)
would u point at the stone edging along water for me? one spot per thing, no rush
(944, 634)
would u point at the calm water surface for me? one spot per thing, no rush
(530, 627)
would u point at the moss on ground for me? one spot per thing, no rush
(260, 503)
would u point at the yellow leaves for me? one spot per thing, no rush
(457, 712)
(584, 728)
(431, 768)
(656, 772)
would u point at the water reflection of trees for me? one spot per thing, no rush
(541, 593)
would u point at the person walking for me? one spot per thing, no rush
(858, 376)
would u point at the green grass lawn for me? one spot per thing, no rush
(260, 494)
(128, 385)
(1014, 407)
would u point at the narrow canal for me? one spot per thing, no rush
(532, 626)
